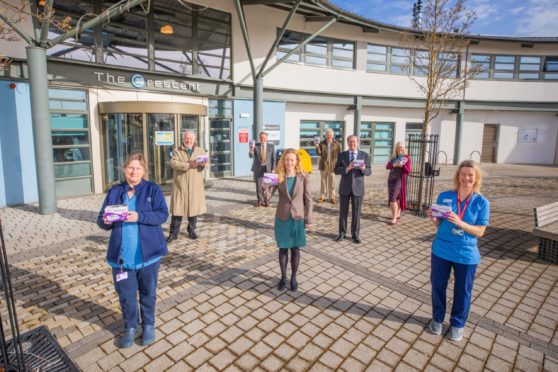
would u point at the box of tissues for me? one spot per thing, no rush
(271, 179)
(116, 213)
(440, 211)
(202, 159)
(357, 163)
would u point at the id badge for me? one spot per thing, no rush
(121, 276)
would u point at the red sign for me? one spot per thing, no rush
(243, 135)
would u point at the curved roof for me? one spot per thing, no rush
(316, 8)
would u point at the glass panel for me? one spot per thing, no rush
(67, 105)
(293, 57)
(480, 58)
(62, 94)
(73, 187)
(377, 58)
(400, 60)
(503, 75)
(220, 147)
(189, 123)
(159, 156)
(528, 76)
(70, 138)
(125, 40)
(551, 64)
(317, 48)
(343, 64)
(525, 67)
(65, 154)
(309, 124)
(503, 66)
(123, 135)
(343, 53)
(551, 76)
(536, 60)
(72, 170)
(316, 60)
(377, 49)
(373, 67)
(505, 59)
(68, 121)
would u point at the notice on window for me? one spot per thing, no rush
(242, 135)
(273, 132)
(164, 137)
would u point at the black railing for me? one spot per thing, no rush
(420, 183)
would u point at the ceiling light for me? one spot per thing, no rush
(167, 30)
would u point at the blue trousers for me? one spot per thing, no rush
(462, 290)
(143, 281)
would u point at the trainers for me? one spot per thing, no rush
(456, 334)
(435, 327)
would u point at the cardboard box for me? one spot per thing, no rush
(271, 179)
(116, 213)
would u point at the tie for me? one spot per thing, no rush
(263, 154)
(353, 156)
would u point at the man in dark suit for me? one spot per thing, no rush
(264, 162)
(351, 187)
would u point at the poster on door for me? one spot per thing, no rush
(273, 133)
(242, 135)
(164, 137)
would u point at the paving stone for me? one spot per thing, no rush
(158, 348)
(180, 351)
(162, 363)
(247, 362)
(272, 363)
(223, 359)
(111, 360)
(198, 357)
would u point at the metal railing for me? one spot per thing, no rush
(420, 182)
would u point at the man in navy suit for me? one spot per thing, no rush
(351, 187)
(264, 162)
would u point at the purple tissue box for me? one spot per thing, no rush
(202, 159)
(357, 163)
(440, 211)
(116, 213)
(271, 179)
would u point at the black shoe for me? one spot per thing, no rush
(356, 240)
(294, 285)
(281, 284)
(171, 238)
(193, 234)
(340, 237)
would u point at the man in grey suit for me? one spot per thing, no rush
(264, 162)
(351, 187)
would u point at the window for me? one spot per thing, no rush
(481, 64)
(529, 67)
(400, 60)
(376, 138)
(70, 142)
(377, 58)
(321, 51)
(551, 68)
(309, 129)
(504, 67)
(421, 63)
(448, 65)
(220, 141)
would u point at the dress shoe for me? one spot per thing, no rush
(171, 238)
(193, 234)
(294, 285)
(148, 334)
(340, 237)
(281, 284)
(356, 240)
(127, 339)
(333, 201)
(321, 199)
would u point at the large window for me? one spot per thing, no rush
(199, 41)
(320, 51)
(551, 68)
(400, 60)
(377, 58)
(504, 67)
(70, 142)
(376, 138)
(310, 129)
(481, 63)
(220, 137)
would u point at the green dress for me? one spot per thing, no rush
(290, 233)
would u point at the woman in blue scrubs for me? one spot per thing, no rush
(455, 247)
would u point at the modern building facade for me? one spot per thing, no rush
(139, 81)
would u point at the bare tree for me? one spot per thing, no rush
(435, 65)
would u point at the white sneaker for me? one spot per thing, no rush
(435, 327)
(456, 334)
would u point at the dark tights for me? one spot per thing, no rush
(295, 260)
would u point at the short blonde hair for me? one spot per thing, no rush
(397, 145)
(478, 175)
(140, 158)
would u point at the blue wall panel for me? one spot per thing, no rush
(17, 155)
(274, 114)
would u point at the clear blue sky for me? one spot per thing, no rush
(494, 17)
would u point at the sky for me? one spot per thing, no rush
(494, 17)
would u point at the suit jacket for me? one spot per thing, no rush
(257, 156)
(298, 205)
(334, 151)
(352, 181)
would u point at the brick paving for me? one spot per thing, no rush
(358, 307)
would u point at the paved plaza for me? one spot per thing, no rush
(358, 307)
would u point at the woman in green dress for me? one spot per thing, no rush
(293, 215)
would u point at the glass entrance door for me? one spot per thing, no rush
(160, 142)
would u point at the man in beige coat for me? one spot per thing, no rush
(328, 150)
(188, 193)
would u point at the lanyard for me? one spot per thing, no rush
(467, 200)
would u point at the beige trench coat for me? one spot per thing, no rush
(188, 193)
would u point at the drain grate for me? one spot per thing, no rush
(41, 352)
